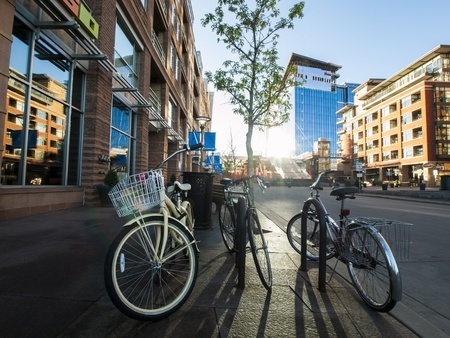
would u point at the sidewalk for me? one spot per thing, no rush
(51, 285)
(429, 194)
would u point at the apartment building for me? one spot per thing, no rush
(398, 128)
(87, 86)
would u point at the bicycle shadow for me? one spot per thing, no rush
(339, 310)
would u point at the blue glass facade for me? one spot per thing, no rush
(315, 113)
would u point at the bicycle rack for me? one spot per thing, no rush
(240, 241)
(322, 243)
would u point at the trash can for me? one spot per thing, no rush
(445, 182)
(384, 186)
(201, 194)
(422, 186)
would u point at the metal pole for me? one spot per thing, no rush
(240, 241)
(202, 136)
(320, 214)
(322, 251)
(303, 260)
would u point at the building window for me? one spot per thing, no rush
(443, 149)
(407, 135)
(408, 152)
(418, 151)
(121, 137)
(174, 60)
(172, 115)
(407, 118)
(406, 102)
(37, 152)
(385, 111)
(126, 53)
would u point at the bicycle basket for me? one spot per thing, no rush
(136, 193)
(396, 233)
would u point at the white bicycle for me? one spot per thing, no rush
(151, 266)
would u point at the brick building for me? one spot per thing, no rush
(399, 128)
(88, 86)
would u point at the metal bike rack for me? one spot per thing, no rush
(322, 244)
(240, 241)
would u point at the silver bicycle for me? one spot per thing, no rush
(357, 243)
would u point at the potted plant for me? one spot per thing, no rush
(110, 180)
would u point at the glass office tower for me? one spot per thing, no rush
(317, 98)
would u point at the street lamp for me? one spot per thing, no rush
(202, 120)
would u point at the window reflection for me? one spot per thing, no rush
(125, 56)
(36, 129)
(120, 136)
(45, 63)
(20, 49)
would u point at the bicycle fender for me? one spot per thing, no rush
(143, 217)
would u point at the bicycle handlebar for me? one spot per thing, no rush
(315, 185)
(261, 181)
(194, 147)
(182, 150)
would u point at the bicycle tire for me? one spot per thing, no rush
(146, 288)
(293, 232)
(372, 268)
(260, 251)
(227, 224)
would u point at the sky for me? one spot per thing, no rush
(368, 39)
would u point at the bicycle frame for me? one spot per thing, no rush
(329, 220)
(168, 209)
(246, 190)
(337, 232)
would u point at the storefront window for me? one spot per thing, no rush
(37, 113)
(121, 137)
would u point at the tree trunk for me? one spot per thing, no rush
(250, 169)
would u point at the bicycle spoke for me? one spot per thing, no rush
(370, 269)
(259, 249)
(143, 286)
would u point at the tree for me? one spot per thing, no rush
(259, 88)
(230, 161)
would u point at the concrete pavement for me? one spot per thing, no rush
(51, 285)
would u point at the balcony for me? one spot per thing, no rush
(341, 131)
(159, 49)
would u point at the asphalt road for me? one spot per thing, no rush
(425, 276)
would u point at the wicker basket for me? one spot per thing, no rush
(396, 233)
(136, 193)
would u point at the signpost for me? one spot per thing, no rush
(359, 174)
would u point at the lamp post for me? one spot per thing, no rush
(202, 120)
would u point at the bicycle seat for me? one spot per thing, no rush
(181, 186)
(225, 181)
(343, 191)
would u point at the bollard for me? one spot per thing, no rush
(240, 241)
(322, 240)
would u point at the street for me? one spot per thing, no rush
(425, 276)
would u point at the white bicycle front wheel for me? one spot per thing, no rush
(146, 278)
